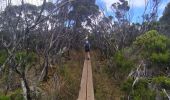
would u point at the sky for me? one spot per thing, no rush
(35, 2)
(136, 8)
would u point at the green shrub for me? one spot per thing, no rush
(127, 85)
(29, 58)
(162, 81)
(3, 56)
(2, 97)
(141, 91)
(151, 41)
(154, 47)
(160, 58)
(119, 66)
(17, 95)
(123, 64)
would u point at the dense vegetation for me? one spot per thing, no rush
(41, 51)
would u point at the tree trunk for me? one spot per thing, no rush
(25, 87)
(44, 73)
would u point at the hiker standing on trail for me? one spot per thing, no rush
(87, 49)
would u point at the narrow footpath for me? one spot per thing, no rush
(86, 87)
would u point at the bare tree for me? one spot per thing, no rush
(19, 23)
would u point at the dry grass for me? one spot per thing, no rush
(105, 87)
(64, 80)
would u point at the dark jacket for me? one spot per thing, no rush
(87, 46)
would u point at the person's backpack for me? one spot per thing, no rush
(87, 47)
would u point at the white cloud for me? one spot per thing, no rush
(138, 3)
(35, 2)
(108, 3)
(16, 2)
(133, 3)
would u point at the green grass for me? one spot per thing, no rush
(12, 95)
(2, 97)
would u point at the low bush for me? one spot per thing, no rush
(3, 56)
(140, 91)
(162, 82)
(154, 47)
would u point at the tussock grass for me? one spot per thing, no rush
(105, 87)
